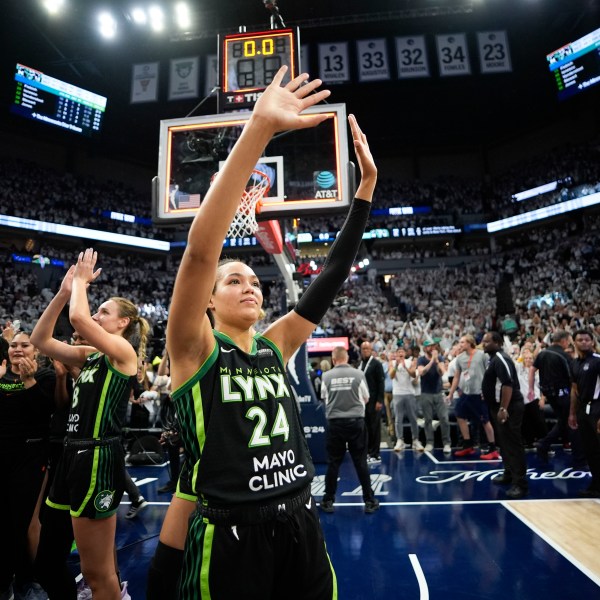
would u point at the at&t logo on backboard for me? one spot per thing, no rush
(325, 184)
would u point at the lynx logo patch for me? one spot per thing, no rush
(104, 500)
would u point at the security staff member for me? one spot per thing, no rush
(554, 365)
(345, 392)
(506, 411)
(584, 411)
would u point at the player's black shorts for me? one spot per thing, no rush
(282, 556)
(90, 478)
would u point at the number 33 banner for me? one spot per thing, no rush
(333, 63)
(373, 62)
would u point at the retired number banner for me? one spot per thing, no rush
(144, 83)
(453, 54)
(333, 63)
(183, 78)
(373, 63)
(494, 54)
(411, 56)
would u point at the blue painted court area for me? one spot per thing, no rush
(469, 551)
(443, 531)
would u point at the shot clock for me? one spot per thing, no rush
(249, 61)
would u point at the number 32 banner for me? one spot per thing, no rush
(373, 64)
(411, 55)
(333, 63)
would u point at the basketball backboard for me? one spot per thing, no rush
(309, 168)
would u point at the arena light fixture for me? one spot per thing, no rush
(157, 18)
(182, 16)
(107, 25)
(54, 7)
(138, 15)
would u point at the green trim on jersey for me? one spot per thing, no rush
(184, 387)
(102, 402)
(206, 559)
(240, 427)
(224, 337)
(115, 370)
(91, 486)
(100, 398)
(334, 595)
(193, 385)
(57, 506)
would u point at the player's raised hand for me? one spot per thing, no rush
(84, 269)
(279, 107)
(368, 169)
(67, 283)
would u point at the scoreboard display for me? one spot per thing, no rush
(49, 100)
(576, 66)
(249, 61)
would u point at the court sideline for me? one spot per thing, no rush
(444, 530)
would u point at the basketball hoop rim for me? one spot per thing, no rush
(244, 221)
(267, 189)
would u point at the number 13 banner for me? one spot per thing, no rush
(373, 64)
(333, 63)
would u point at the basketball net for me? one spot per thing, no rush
(244, 221)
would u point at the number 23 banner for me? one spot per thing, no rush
(494, 54)
(333, 63)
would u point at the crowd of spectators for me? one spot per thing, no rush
(553, 275)
(31, 191)
(552, 271)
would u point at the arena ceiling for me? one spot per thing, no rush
(435, 112)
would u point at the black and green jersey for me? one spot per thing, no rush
(100, 398)
(240, 426)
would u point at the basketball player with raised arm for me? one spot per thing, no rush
(255, 532)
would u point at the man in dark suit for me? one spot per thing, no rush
(375, 376)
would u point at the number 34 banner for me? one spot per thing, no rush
(453, 54)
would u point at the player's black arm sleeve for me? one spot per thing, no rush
(317, 299)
